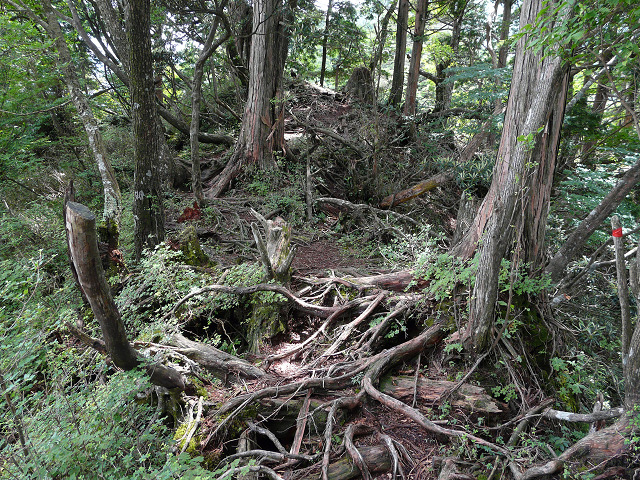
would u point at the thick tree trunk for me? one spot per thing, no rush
(148, 210)
(591, 223)
(519, 193)
(325, 41)
(112, 197)
(397, 82)
(80, 225)
(416, 55)
(262, 130)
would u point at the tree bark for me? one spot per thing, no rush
(520, 190)
(397, 82)
(148, 210)
(416, 56)
(381, 38)
(262, 131)
(196, 99)
(325, 41)
(80, 225)
(112, 196)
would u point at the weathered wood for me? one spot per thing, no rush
(468, 397)
(220, 363)
(416, 190)
(376, 458)
(80, 225)
(595, 449)
(276, 251)
(395, 281)
(337, 205)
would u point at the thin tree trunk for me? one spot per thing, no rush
(196, 99)
(148, 210)
(381, 39)
(325, 41)
(112, 196)
(397, 82)
(574, 243)
(416, 56)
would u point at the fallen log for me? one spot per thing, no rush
(377, 460)
(468, 397)
(395, 282)
(416, 190)
(220, 363)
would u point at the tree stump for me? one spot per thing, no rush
(276, 252)
(360, 85)
(80, 224)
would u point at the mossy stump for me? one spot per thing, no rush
(191, 249)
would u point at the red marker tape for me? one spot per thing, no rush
(617, 233)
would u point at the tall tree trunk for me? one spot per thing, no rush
(516, 206)
(416, 56)
(112, 197)
(397, 82)
(262, 130)
(381, 38)
(196, 99)
(148, 210)
(325, 41)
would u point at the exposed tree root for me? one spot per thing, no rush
(594, 450)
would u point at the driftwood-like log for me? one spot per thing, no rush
(416, 190)
(220, 363)
(276, 251)
(395, 281)
(377, 460)
(82, 239)
(468, 397)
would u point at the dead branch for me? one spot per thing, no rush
(321, 331)
(358, 209)
(583, 417)
(301, 424)
(328, 133)
(346, 332)
(299, 304)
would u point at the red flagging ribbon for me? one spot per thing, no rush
(617, 233)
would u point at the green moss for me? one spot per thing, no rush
(190, 247)
(266, 320)
(181, 432)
